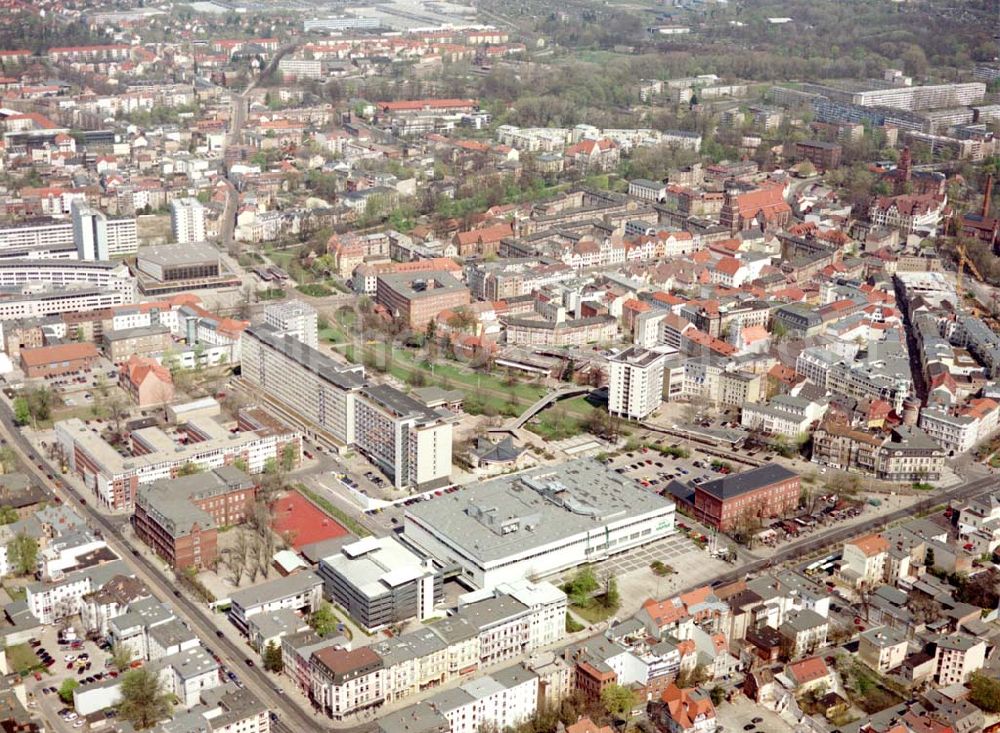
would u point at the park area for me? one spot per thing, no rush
(488, 392)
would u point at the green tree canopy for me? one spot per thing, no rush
(985, 693)
(323, 620)
(273, 661)
(144, 701)
(66, 689)
(22, 552)
(617, 700)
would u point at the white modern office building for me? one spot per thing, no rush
(635, 382)
(68, 274)
(90, 232)
(294, 318)
(538, 523)
(187, 220)
(306, 387)
(410, 442)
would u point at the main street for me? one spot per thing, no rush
(292, 716)
(238, 118)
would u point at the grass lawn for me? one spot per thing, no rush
(331, 334)
(578, 406)
(16, 594)
(352, 525)
(594, 613)
(315, 290)
(22, 659)
(282, 258)
(492, 389)
(553, 424)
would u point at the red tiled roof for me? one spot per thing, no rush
(808, 670)
(58, 352)
(871, 545)
(486, 235)
(419, 104)
(728, 266)
(768, 200)
(137, 368)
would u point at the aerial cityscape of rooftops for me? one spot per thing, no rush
(500, 366)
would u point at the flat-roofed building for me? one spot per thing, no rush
(295, 318)
(154, 455)
(172, 262)
(187, 220)
(301, 591)
(379, 582)
(537, 523)
(303, 385)
(404, 438)
(123, 343)
(635, 382)
(68, 274)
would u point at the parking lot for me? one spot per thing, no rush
(744, 715)
(62, 659)
(654, 470)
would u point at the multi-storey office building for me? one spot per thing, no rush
(410, 442)
(65, 274)
(379, 582)
(303, 385)
(635, 382)
(154, 455)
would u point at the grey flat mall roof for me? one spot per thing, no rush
(555, 501)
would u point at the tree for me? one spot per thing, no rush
(611, 598)
(289, 454)
(121, 656)
(66, 689)
(22, 553)
(272, 658)
(117, 409)
(189, 469)
(241, 464)
(8, 515)
(581, 587)
(144, 702)
(22, 411)
(617, 700)
(717, 694)
(985, 693)
(238, 556)
(40, 404)
(323, 621)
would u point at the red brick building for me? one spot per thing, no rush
(179, 518)
(761, 493)
(58, 359)
(763, 208)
